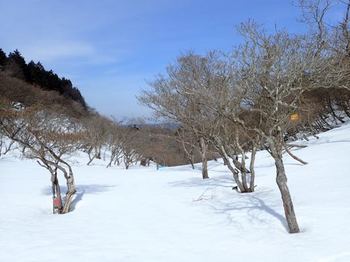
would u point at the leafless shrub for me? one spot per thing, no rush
(96, 131)
(48, 137)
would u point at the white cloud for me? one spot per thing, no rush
(51, 51)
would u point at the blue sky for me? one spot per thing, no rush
(110, 49)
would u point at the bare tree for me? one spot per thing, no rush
(48, 137)
(129, 145)
(172, 98)
(95, 136)
(114, 143)
(188, 143)
(272, 74)
(195, 88)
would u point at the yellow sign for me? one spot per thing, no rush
(294, 117)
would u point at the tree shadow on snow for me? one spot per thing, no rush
(250, 204)
(81, 191)
(221, 181)
(233, 204)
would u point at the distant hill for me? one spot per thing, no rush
(13, 66)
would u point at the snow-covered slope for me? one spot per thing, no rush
(171, 214)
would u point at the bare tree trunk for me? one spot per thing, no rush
(239, 165)
(70, 188)
(112, 157)
(188, 154)
(57, 199)
(191, 158)
(126, 162)
(233, 170)
(252, 170)
(91, 159)
(346, 109)
(24, 149)
(1, 143)
(203, 147)
(98, 152)
(56, 194)
(116, 161)
(70, 192)
(324, 121)
(192, 163)
(8, 148)
(335, 116)
(244, 174)
(281, 180)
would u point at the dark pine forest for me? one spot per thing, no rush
(14, 65)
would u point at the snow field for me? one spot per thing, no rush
(172, 214)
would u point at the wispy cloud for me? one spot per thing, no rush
(51, 51)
